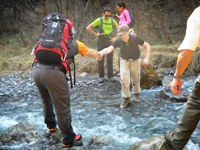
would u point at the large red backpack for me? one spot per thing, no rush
(56, 45)
(52, 44)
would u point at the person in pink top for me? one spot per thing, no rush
(124, 17)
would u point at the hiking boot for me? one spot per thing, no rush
(125, 103)
(137, 98)
(50, 132)
(76, 142)
(101, 80)
(168, 144)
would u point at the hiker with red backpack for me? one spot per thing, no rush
(50, 66)
(106, 26)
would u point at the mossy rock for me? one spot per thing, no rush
(149, 77)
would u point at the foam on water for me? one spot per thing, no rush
(6, 122)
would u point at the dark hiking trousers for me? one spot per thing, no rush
(189, 119)
(103, 42)
(54, 91)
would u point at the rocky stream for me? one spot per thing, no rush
(95, 114)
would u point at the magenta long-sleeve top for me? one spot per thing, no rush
(124, 18)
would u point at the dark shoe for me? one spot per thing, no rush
(50, 132)
(125, 103)
(137, 98)
(76, 142)
(101, 80)
(168, 143)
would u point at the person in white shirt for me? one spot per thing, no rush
(190, 117)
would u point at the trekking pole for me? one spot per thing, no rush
(119, 61)
(70, 76)
(74, 73)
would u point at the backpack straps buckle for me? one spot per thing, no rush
(63, 51)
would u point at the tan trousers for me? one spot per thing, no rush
(130, 69)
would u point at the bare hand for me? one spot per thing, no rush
(100, 56)
(145, 62)
(176, 86)
(112, 39)
(99, 34)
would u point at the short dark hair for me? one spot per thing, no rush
(121, 4)
(107, 9)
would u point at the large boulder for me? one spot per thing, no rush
(148, 144)
(149, 77)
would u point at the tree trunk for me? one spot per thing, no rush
(44, 7)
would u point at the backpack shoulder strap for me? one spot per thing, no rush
(112, 22)
(101, 21)
(125, 17)
(69, 30)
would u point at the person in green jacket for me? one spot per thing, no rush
(106, 26)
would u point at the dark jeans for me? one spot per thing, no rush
(54, 91)
(102, 43)
(189, 119)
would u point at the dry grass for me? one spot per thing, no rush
(15, 57)
(17, 63)
(20, 59)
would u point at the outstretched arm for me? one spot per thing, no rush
(107, 50)
(94, 53)
(86, 51)
(184, 59)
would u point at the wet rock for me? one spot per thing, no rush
(96, 142)
(187, 84)
(19, 132)
(154, 143)
(18, 137)
(95, 114)
(149, 77)
(166, 93)
(24, 136)
(22, 146)
(149, 144)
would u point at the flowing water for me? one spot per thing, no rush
(95, 111)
